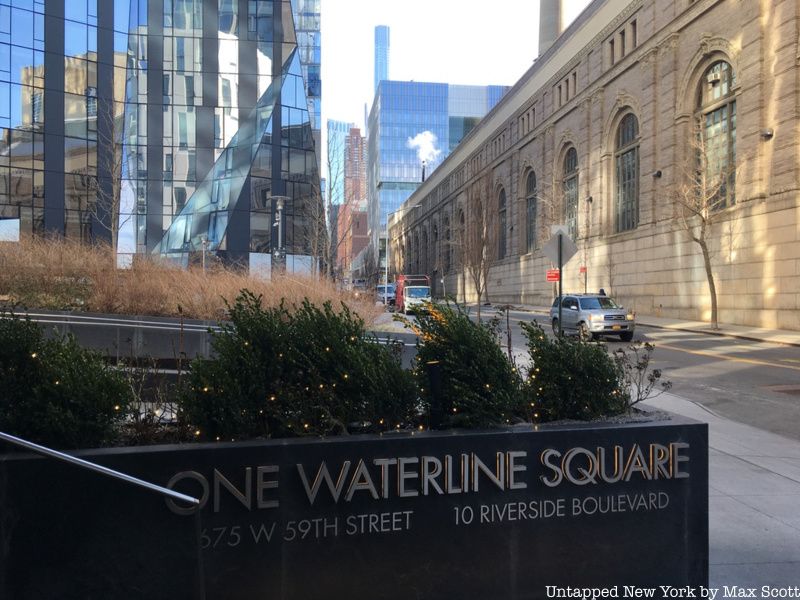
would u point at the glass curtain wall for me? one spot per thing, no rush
(21, 118)
(172, 124)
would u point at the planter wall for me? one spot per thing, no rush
(368, 517)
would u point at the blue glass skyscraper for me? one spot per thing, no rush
(412, 123)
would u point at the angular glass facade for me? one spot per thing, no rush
(170, 125)
(307, 19)
(411, 122)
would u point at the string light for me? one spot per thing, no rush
(197, 432)
(33, 355)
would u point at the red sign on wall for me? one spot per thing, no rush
(582, 270)
(552, 275)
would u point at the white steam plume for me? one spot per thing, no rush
(425, 145)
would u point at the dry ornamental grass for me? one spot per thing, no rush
(60, 274)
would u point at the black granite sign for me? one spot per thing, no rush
(493, 515)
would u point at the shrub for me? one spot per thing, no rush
(642, 381)
(572, 379)
(281, 372)
(477, 385)
(54, 392)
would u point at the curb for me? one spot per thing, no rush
(738, 336)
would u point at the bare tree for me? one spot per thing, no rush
(104, 208)
(477, 236)
(317, 218)
(705, 186)
(322, 230)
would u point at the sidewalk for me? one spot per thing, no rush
(754, 494)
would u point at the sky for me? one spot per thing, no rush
(444, 41)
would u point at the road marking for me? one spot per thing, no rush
(727, 357)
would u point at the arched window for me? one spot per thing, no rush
(626, 160)
(447, 246)
(716, 113)
(501, 225)
(570, 189)
(422, 267)
(435, 249)
(461, 236)
(530, 212)
(415, 254)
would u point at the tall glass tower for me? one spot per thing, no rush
(309, 43)
(167, 126)
(412, 123)
(381, 54)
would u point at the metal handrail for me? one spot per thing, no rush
(74, 319)
(85, 464)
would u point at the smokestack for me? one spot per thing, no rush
(551, 23)
(423, 171)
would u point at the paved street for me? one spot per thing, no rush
(751, 382)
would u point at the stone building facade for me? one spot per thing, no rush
(597, 135)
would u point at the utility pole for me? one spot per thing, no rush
(560, 289)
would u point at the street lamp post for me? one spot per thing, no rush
(204, 244)
(277, 253)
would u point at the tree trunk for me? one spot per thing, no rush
(712, 288)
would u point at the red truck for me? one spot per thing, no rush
(411, 291)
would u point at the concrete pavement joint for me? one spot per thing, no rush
(761, 512)
(728, 357)
(737, 336)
